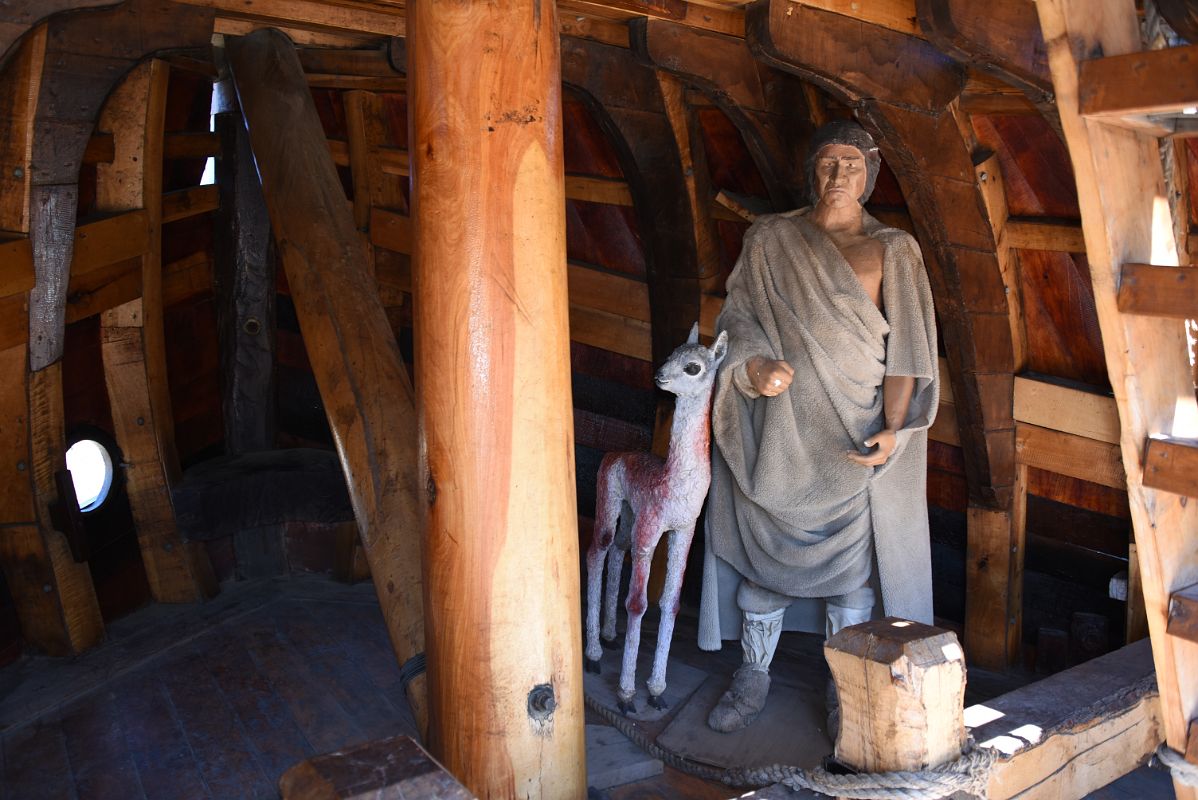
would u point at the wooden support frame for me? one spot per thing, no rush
(350, 342)
(56, 602)
(244, 279)
(1139, 83)
(1118, 177)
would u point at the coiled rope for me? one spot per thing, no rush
(1183, 771)
(969, 773)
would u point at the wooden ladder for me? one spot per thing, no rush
(1106, 87)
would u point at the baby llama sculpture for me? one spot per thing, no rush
(648, 497)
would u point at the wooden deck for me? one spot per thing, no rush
(216, 700)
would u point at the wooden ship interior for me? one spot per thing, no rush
(296, 268)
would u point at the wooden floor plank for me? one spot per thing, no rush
(37, 762)
(165, 763)
(277, 741)
(325, 723)
(372, 650)
(367, 657)
(323, 647)
(99, 756)
(225, 758)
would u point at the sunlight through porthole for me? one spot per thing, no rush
(91, 472)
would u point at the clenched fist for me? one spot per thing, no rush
(769, 377)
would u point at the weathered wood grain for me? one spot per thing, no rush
(397, 766)
(244, 278)
(366, 391)
(1183, 613)
(1158, 291)
(493, 362)
(1118, 178)
(1143, 82)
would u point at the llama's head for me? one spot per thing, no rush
(691, 368)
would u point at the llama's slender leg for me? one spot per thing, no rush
(615, 566)
(680, 545)
(595, 556)
(607, 513)
(645, 538)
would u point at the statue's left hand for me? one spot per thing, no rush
(885, 441)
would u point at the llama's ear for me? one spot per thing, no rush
(720, 348)
(694, 336)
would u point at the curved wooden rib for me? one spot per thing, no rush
(626, 100)
(759, 101)
(19, 17)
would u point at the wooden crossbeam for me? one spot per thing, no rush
(1061, 408)
(1172, 466)
(1159, 291)
(1067, 454)
(1030, 234)
(1144, 82)
(1183, 615)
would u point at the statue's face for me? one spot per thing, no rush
(840, 175)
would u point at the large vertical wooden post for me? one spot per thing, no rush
(501, 554)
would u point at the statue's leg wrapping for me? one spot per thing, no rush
(761, 627)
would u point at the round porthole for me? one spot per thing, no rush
(91, 469)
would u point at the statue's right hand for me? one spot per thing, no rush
(769, 377)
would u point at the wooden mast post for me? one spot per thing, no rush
(501, 553)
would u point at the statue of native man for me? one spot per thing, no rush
(817, 508)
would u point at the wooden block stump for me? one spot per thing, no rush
(387, 769)
(902, 694)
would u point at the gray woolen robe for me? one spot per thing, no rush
(787, 509)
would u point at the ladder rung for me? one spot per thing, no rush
(1159, 291)
(1147, 82)
(1183, 614)
(1172, 466)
